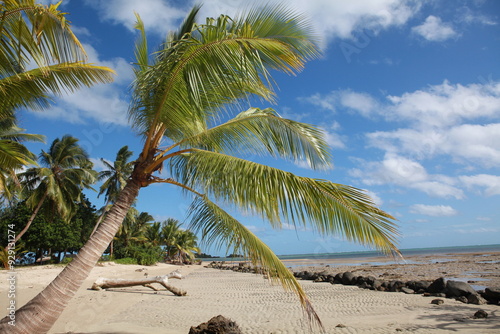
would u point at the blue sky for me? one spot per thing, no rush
(407, 92)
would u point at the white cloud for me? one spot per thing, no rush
(330, 19)
(104, 103)
(433, 29)
(490, 183)
(433, 210)
(375, 198)
(445, 104)
(99, 165)
(361, 103)
(159, 16)
(406, 173)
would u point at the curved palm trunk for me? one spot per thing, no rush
(40, 313)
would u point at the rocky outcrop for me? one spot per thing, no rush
(216, 325)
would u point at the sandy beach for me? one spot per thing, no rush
(258, 307)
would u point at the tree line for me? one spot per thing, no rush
(50, 215)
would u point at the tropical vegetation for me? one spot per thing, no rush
(186, 105)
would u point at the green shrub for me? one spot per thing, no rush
(146, 255)
(66, 260)
(126, 260)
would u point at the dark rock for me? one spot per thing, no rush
(476, 299)
(492, 295)
(437, 301)
(377, 284)
(437, 286)
(481, 314)
(457, 289)
(319, 279)
(348, 278)
(338, 278)
(408, 291)
(341, 326)
(462, 299)
(364, 285)
(442, 295)
(420, 286)
(217, 325)
(395, 286)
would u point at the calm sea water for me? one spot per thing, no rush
(369, 256)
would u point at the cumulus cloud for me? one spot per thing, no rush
(159, 16)
(454, 120)
(403, 172)
(434, 30)
(104, 103)
(489, 183)
(445, 104)
(331, 19)
(433, 210)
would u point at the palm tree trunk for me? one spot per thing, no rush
(40, 313)
(28, 224)
(104, 211)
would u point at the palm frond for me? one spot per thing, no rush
(219, 228)
(30, 89)
(277, 195)
(265, 132)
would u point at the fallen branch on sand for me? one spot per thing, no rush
(107, 283)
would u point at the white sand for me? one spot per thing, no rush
(249, 300)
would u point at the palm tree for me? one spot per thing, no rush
(186, 244)
(133, 227)
(195, 79)
(169, 233)
(13, 154)
(65, 172)
(153, 234)
(115, 177)
(39, 35)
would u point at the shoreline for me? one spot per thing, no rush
(250, 301)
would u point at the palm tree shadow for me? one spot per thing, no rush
(460, 319)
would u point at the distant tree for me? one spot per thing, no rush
(186, 246)
(65, 171)
(115, 176)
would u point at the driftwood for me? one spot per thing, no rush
(107, 283)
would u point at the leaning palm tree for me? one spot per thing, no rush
(182, 99)
(64, 172)
(39, 56)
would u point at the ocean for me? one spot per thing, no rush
(371, 257)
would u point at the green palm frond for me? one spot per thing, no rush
(265, 132)
(329, 208)
(31, 31)
(29, 89)
(216, 64)
(219, 228)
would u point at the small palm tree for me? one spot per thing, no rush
(191, 84)
(65, 171)
(186, 245)
(153, 234)
(116, 177)
(169, 233)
